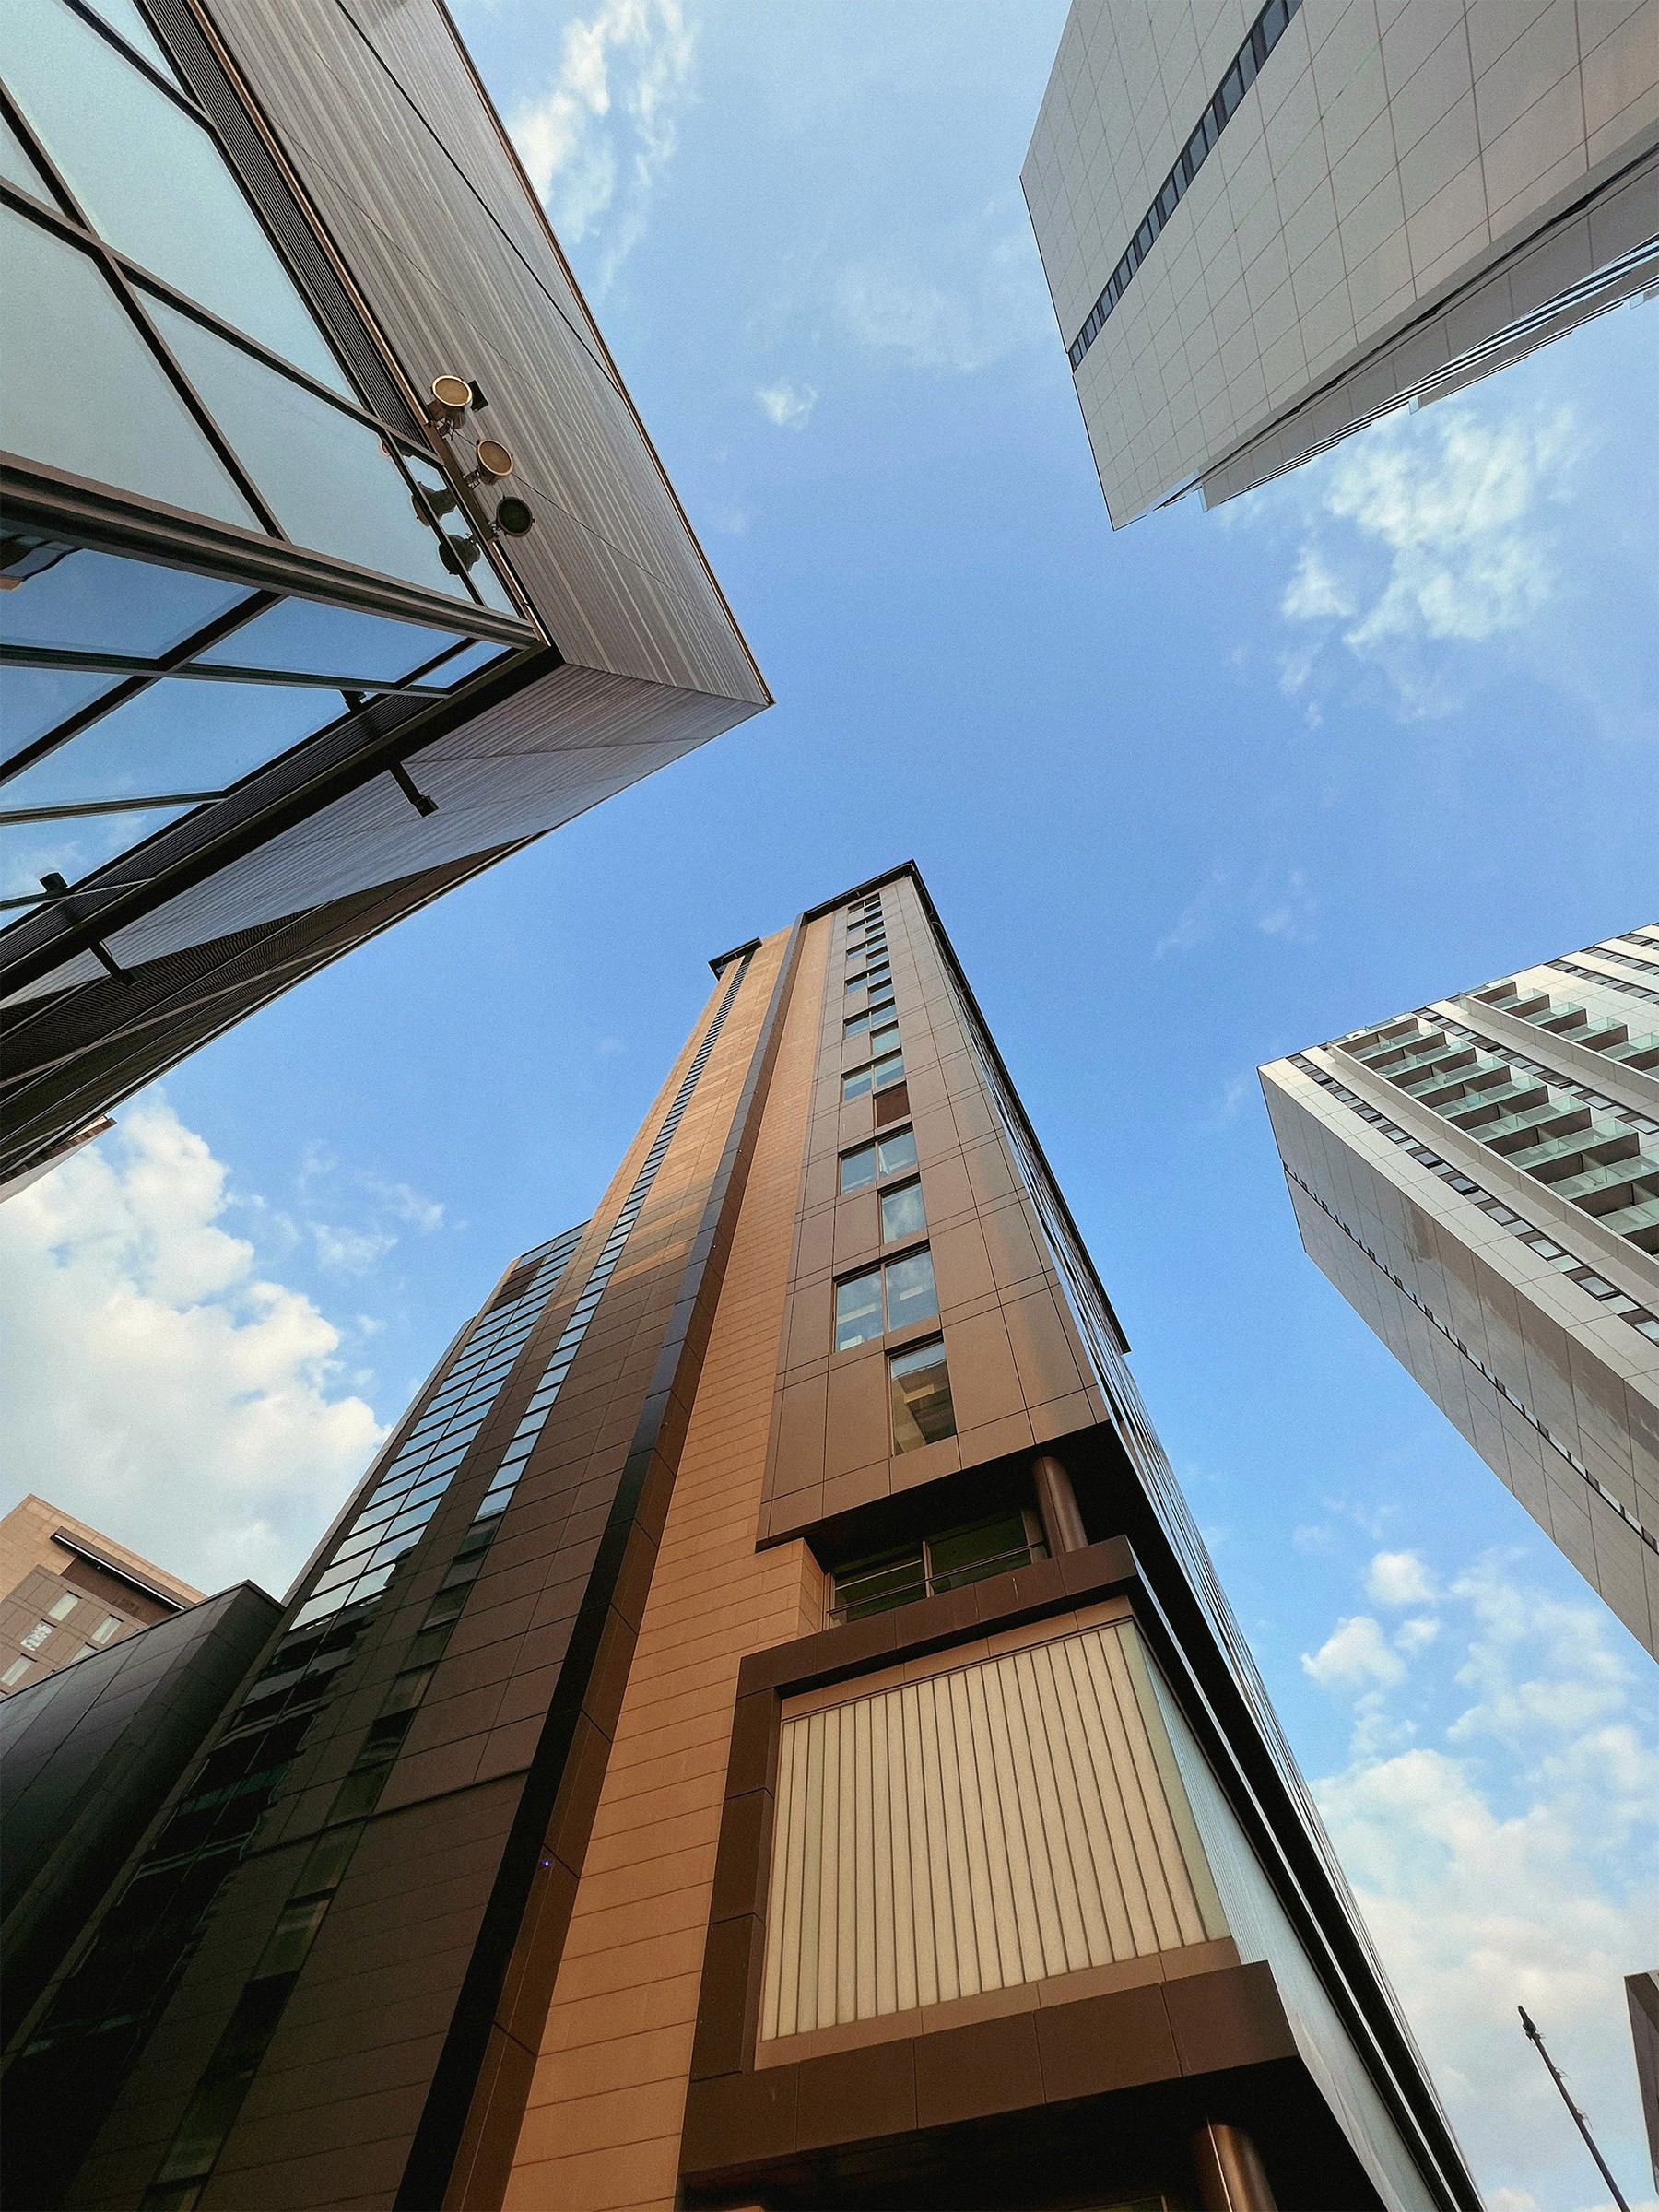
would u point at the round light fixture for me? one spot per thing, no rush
(452, 393)
(513, 516)
(494, 459)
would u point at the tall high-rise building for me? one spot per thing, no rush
(337, 561)
(1263, 229)
(765, 1731)
(67, 1589)
(1480, 1179)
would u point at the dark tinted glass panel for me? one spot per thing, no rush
(965, 1555)
(82, 391)
(920, 1387)
(857, 1310)
(911, 1295)
(876, 1585)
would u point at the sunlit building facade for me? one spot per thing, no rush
(1263, 227)
(765, 1731)
(335, 561)
(1480, 1178)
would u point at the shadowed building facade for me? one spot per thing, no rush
(1480, 1179)
(336, 562)
(1263, 227)
(765, 1733)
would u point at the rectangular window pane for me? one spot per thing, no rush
(897, 1152)
(858, 1168)
(857, 1310)
(967, 1555)
(855, 1024)
(889, 1071)
(910, 1294)
(856, 1085)
(875, 1585)
(63, 1608)
(106, 1627)
(918, 1383)
(902, 1213)
(884, 1040)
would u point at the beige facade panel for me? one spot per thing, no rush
(1409, 194)
(1480, 1179)
(989, 1825)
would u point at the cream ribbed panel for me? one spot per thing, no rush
(996, 1823)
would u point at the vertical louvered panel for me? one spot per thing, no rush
(993, 1824)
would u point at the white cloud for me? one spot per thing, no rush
(596, 143)
(345, 1250)
(951, 302)
(154, 1382)
(1416, 1634)
(1355, 1656)
(1314, 592)
(787, 405)
(1399, 1578)
(1279, 904)
(1517, 1862)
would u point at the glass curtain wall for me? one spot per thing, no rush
(158, 349)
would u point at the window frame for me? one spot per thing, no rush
(910, 1351)
(873, 1145)
(916, 1248)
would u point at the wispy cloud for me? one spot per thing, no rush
(1511, 1861)
(786, 404)
(951, 301)
(595, 144)
(1275, 902)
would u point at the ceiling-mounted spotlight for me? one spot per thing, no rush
(514, 517)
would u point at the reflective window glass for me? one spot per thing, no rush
(920, 1387)
(857, 1083)
(889, 1071)
(857, 1310)
(182, 735)
(133, 159)
(911, 1295)
(897, 1152)
(311, 639)
(123, 16)
(328, 478)
(99, 602)
(458, 531)
(71, 849)
(858, 1168)
(467, 664)
(16, 165)
(902, 1213)
(81, 391)
(33, 701)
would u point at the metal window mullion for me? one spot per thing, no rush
(79, 236)
(194, 671)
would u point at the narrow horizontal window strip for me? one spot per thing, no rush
(1264, 34)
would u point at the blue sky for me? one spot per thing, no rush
(1187, 796)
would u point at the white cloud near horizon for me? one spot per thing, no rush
(595, 144)
(154, 1381)
(1513, 1861)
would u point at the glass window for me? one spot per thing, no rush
(88, 602)
(135, 159)
(72, 848)
(889, 1071)
(81, 391)
(16, 1672)
(36, 1636)
(910, 1294)
(919, 1385)
(468, 663)
(314, 638)
(328, 478)
(877, 1584)
(902, 1212)
(292, 1937)
(17, 167)
(856, 1023)
(464, 549)
(106, 1627)
(856, 1082)
(858, 1168)
(175, 735)
(37, 699)
(123, 16)
(884, 1040)
(897, 1152)
(858, 1310)
(968, 1555)
(63, 1607)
